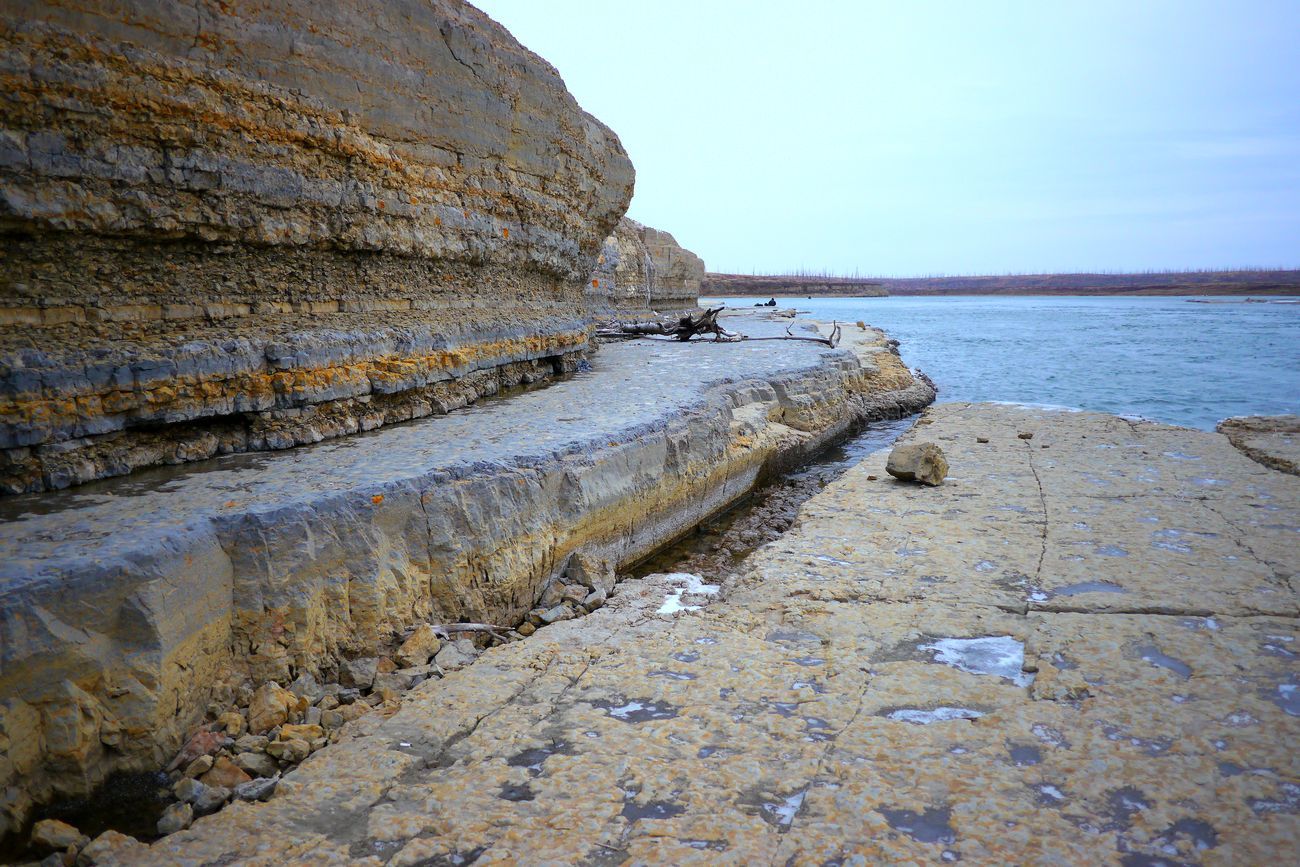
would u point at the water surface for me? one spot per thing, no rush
(1163, 358)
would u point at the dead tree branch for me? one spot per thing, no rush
(698, 325)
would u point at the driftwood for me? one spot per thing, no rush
(705, 322)
(445, 630)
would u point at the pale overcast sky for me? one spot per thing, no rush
(920, 137)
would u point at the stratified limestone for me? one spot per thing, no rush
(240, 225)
(126, 608)
(643, 269)
(1079, 655)
(1274, 440)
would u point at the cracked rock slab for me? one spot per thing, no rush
(881, 683)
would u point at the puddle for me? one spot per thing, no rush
(634, 812)
(809, 661)
(925, 716)
(1024, 755)
(533, 759)
(1152, 654)
(706, 845)
(817, 730)
(1287, 698)
(672, 675)
(793, 636)
(638, 710)
(999, 655)
(686, 656)
(1049, 735)
(1125, 803)
(516, 793)
(1202, 834)
(1049, 795)
(930, 826)
(1110, 551)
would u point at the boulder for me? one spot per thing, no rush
(225, 774)
(112, 847)
(256, 764)
(271, 706)
(359, 673)
(918, 462)
(51, 835)
(457, 654)
(420, 647)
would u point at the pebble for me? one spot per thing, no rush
(199, 766)
(177, 817)
(257, 790)
(256, 764)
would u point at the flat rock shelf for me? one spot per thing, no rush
(1079, 649)
(131, 605)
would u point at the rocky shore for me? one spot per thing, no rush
(135, 610)
(1079, 648)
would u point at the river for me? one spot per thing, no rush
(1162, 358)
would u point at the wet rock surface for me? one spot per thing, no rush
(136, 609)
(886, 681)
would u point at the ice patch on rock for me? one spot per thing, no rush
(999, 655)
(692, 585)
(925, 716)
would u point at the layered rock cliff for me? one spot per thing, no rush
(644, 269)
(238, 225)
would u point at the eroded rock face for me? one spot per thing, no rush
(138, 607)
(641, 269)
(248, 226)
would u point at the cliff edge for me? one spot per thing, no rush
(235, 226)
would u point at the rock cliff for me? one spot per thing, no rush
(239, 225)
(644, 269)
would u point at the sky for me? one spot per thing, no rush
(927, 137)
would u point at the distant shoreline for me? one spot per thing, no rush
(1214, 283)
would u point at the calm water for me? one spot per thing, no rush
(1161, 358)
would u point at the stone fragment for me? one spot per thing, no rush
(257, 790)
(349, 695)
(594, 599)
(225, 774)
(591, 572)
(293, 750)
(111, 847)
(312, 716)
(357, 709)
(456, 654)
(918, 462)
(305, 686)
(51, 835)
(527, 628)
(209, 800)
(252, 743)
(385, 665)
(392, 680)
(556, 614)
(305, 732)
(1025, 435)
(256, 764)
(199, 766)
(359, 673)
(981, 439)
(331, 720)
(328, 702)
(232, 723)
(187, 789)
(202, 744)
(269, 707)
(177, 817)
(574, 593)
(420, 647)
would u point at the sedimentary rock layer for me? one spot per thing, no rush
(643, 269)
(244, 209)
(127, 606)
(1075, 655)
(1273, 441)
